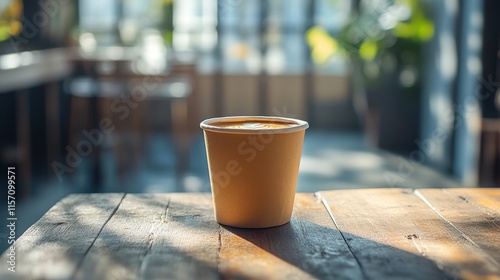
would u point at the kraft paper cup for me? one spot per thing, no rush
(253, 168)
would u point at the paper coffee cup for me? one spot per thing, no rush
(253, 163)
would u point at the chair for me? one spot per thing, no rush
(117, 94)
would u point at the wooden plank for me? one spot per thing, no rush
(308, 247)
(395, 235)
(474, 212)
(161, 236)
(54, 246)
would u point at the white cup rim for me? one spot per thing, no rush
(298, 124)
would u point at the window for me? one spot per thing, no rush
(236, 36)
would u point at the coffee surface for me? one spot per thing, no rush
(254, 125)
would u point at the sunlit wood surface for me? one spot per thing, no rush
(341, 234)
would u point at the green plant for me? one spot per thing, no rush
(10, 19)
(381, 37)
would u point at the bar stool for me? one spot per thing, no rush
(176, 92)
(91, 102)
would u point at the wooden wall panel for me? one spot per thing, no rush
(206, 102)
(240, 95)
(329, 88)
(286, 92)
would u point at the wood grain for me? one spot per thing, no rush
(161, 236)
(395, 235)
(308, 247)
(54, 246)
(474, 212)
(342, 234)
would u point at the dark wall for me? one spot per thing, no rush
(491, 56)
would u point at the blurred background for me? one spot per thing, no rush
(107, 95)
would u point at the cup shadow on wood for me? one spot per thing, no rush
(325, 252)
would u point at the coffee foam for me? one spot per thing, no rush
(255, 125)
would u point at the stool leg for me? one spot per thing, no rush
(95, 157)
(179, 125)
(77, 120)
(497, 166)
(24, 136)
(53, 124)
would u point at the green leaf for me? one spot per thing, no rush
(426, 30)
(4, 32)
(368, 50)
(322, 44)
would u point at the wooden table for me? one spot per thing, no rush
(342, 234)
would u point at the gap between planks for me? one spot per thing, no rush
(463, 234)
(327, 208)
(435, 258)
(97, 236)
